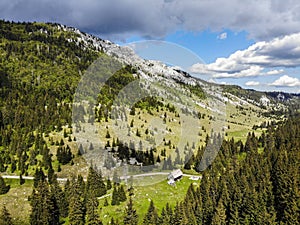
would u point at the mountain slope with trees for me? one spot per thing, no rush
(254, 180)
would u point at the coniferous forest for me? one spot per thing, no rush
(255, 181)
(262, 188)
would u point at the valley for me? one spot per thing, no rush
(70, 135)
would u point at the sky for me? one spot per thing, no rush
(251, 43)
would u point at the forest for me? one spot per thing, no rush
(259, 188)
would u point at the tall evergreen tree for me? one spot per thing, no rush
(151, 217)
(44, 207)
(131, 217)
(3, 187)
(179, 216)
(77, 211)
(121, 194)
(60, 198)
(77, 204)
(164, 218)
(95, 183)
(92, 210)
(39, 176)
(115, 197)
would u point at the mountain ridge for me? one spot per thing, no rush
(127, 56)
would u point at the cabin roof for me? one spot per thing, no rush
(175, 174)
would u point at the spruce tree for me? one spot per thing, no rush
(60, 198)
(39, 176)
(95, 183)
(77, 211)
(179, 216)
(80, 185)
(164, 218)
(21, 179)
(51, 175)
(3, 187)
(92, 210)
(151, 216)
(121, 194)
(131, 217)
(115, 197)
(44, 207)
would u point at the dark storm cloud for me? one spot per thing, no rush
(263, 19)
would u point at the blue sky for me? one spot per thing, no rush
(209, 46)
(254, 44)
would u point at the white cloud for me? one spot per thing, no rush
(224, 83)
(261, 58)
(222, 36)
(286, 81)
(252, 83)
(275, 72)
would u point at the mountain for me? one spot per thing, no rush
(44, 66)
(70, 100)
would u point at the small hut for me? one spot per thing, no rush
(175, 175)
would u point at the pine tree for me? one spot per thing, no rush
(131, 217)
(164, 218)
(121, 194)
(151, 216)
(80, 185)
(92, 210)
(21, 179)
(39, 176)
(115, 198)
(51, 175)
(44, 207)
(60, 198)
(77, 211)
(95, 183)
(3, 187)
(179, 216)
(5, 218)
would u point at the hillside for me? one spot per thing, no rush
(73, 105)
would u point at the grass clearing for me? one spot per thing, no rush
(159, 193)
(16, 200)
